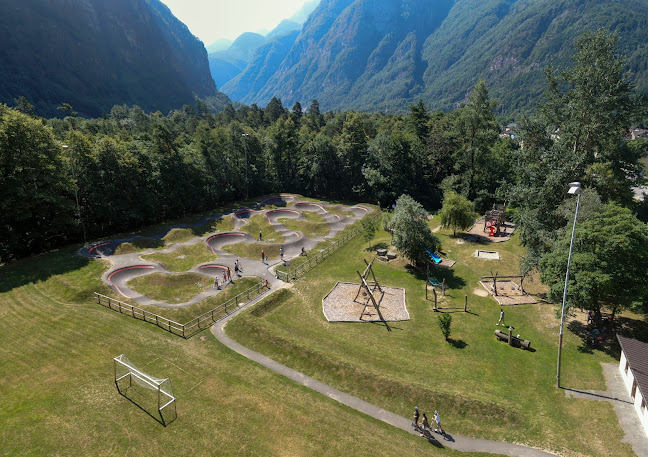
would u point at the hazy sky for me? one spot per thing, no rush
(210, 20)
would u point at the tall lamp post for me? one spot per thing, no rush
(574, 189)
(244, 136)
(76, 193)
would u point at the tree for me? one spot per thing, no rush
(36, 209)
(274, 110)
(368, 225)
(609, 263)
(445, 322)
(457, 212)
(577, 135)
(476, 132)
(412, 235)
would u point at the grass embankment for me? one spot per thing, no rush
(183, 258)
(259, 223)
(170, 290)
(253, 250)
(176, 235)
(313, 225)
(54, 334)
(482, 387)
(339, 210)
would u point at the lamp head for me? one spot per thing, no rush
(575, 188)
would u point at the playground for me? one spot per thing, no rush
(472, 379)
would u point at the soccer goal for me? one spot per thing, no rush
(127, 376)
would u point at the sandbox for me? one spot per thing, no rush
(339, 304)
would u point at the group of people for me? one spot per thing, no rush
(421, 423)
(227, 275)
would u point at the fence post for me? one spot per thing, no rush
(435, 299)
(466, 304)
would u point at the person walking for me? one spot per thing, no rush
(263, 256)
(216, 282)
(501, 319)
(437, 419)
(416, 417)
(229, 274)
(224, 278)
(425, 425)
(281, 252)
(260, 236)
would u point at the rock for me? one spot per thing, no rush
(383, 258)
(381, 252)
(391, 255)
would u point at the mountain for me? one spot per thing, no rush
(286, 26)
(219, 45)
(387, 54)
(226, 64)
(94, 54)
(265, 62)
(302, 15)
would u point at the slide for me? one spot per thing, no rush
(433, 256)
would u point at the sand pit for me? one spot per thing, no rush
(480, 292)
(488, 255)
(508, 293)
(339, 305)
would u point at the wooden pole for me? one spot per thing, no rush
(510, 336)
(443, 287)
(435, 299)
(466, 304)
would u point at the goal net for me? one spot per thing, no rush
(127, 375)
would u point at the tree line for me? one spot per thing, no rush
(130, 169)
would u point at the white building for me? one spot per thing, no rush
(634, 370)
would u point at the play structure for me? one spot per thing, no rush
(514, 341)
(505, 290)
(495, 219)
(367, 289)
(127, 377)
(367, 301)
(433, 256)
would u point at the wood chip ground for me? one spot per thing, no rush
(339, 305)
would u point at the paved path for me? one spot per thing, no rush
(617, 394)
(458, 442)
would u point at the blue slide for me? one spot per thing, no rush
(433, 256)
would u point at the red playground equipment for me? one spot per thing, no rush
(495, 219)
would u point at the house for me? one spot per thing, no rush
(634, 371)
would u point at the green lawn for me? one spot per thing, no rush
(259, 223)
(482, 387)
(59, 398)
(171, 288)
(313, 225)
(183, 258)
(253, 250)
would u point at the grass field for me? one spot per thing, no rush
(259, 223)
(483, 388)
(313, 225)
(171, 288)
(59, 398)
(253, 250)
(183, 258)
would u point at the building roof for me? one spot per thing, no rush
(636, 353)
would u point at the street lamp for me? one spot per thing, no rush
(244, 136)
(76, 193)
(574, 189)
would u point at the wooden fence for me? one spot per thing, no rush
(196, 324)
(293, 274)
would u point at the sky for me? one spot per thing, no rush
(210, 20)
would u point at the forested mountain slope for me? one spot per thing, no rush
(94, 54)
(385, 54)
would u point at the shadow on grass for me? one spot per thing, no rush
(590, 342)
(459, 344)
(40, 268)
(452, 281)
(377, 246)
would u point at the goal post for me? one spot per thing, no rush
(127, 372)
